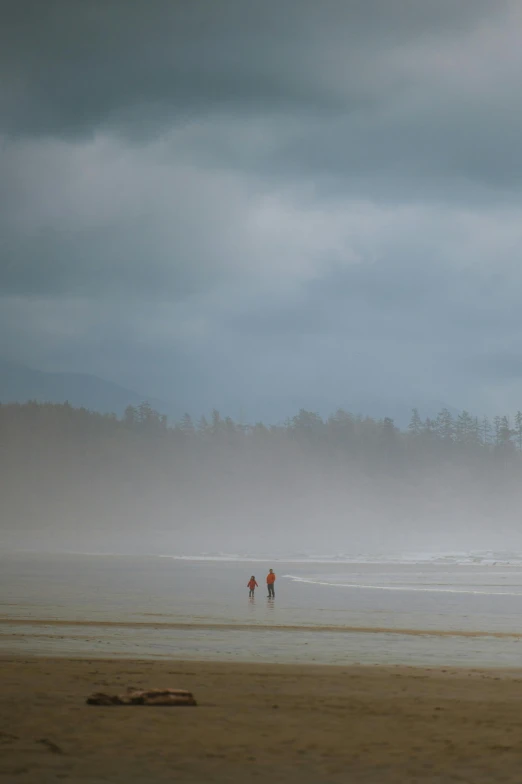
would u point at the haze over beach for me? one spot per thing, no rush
(347, 486)
(260, 310)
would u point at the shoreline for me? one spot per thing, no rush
(289, 723)
(257, 627)
(279, 667)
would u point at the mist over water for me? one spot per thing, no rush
(348, 486)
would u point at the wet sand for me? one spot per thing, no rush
(275, 644)
(285, 723)
(152, 607)
(244, 627)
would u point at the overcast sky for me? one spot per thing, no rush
(222, 201)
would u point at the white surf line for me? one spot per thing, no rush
(398, 587)
(342, 561)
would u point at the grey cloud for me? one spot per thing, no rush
(110, 262)
(98, 221)
(361, 303)
(499, 366)
(398, 322)
(71, 67)
(104, 338)
(424, 152)
(260, 197)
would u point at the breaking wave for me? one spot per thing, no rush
(413, 588)
(472, 558)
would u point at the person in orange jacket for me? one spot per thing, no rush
(270, 580)
(252, 585)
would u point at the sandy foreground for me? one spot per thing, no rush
(283, 723)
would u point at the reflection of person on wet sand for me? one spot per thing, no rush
(270, 580)
(252, 585)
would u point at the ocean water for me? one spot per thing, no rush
(423, 609)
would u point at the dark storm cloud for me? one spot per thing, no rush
(70, 67)
(394, 101)
(286, 194)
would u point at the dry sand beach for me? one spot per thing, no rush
(258, 722)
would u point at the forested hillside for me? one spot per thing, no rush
(76, 479)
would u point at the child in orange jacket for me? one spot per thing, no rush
(252, 585)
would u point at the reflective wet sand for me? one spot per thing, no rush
(161, 608)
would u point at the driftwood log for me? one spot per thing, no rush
(144, 697)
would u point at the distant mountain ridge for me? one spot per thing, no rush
(19, 384)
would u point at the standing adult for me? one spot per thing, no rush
(270, 580)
